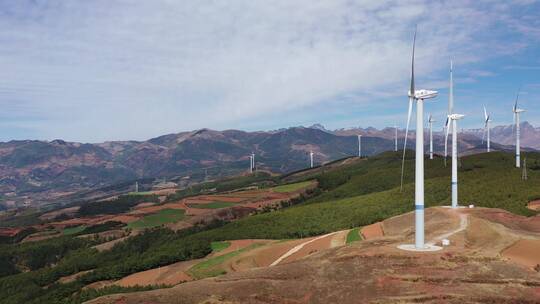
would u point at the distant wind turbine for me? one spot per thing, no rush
(252, 161)
(311, 159)
(517, 111)
(453, 118)
(359, 145)
(250, 164)
(431, 121)
(395, 138)
(487, 120)
(418, 96)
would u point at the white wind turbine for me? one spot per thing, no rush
(419, 96)
(311, 159)
(252, 161)
(395, 138)
(431, 121)
(250, 164)
(517, 111)
(359, 145)
(452, 119)
(487, 120)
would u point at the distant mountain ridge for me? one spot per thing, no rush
(34, 171)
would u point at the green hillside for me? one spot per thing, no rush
(347, 196)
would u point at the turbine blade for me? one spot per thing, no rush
(446, 137)
(412, 65)
(485, 114)
(514, 122)
(451, 90)
(405, 141)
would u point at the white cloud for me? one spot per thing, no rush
(97, 70)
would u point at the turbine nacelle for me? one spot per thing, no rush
(518, 110)
(424, 94)
(455, 116)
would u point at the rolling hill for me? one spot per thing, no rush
(39, 172)
(349, 194)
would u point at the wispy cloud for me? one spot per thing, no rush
(97, 70)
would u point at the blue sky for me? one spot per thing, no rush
(102, 70)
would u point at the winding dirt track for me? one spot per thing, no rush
(463, 224)
(299, 247)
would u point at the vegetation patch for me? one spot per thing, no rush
(141, 193)
(219, 246)
(164, 216)
(212, 205)
(116, 206)
(73, 230)
(213, 266)
(353, 235)
(291, 187)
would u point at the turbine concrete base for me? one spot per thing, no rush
(412, 247)
(458, 207)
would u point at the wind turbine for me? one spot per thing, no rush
(252, 161)
(395, 138)
(517, 111)
(487, 120)
(311, 159)
(359, 145)
(431, 121)
(453, 118)
(250, 164)
(419, 96)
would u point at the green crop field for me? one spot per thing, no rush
(212, 205)
(73, 230)
(212, 267)
(353, 235)
(292, 187)
(164, 216)
(141, 193)
(219, 246)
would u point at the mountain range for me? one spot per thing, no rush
(38, 172)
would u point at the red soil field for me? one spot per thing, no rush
(372, 231)
(168, 275)
(524, 252)
(51, 215)
(509, 220)
(534, 205)
(142, 205)
(9, 231)
(120, 218)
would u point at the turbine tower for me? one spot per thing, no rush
(517, 111)
(359, 145)
(419, 96)
(487, 120)
(311, 159)
(395, 138)
(250, 164)
(452, 119)
(431, 121)
(252, 161)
